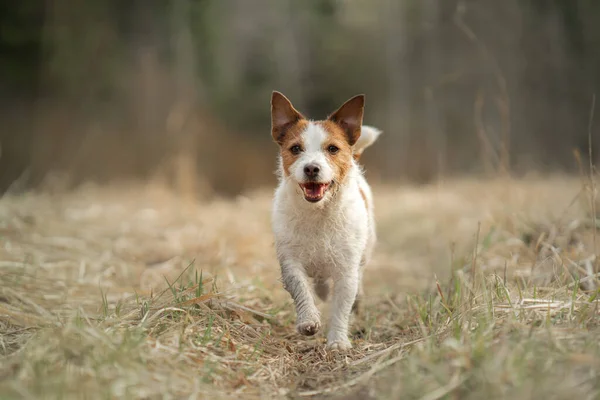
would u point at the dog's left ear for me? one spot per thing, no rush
(349, 116)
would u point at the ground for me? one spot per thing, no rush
(477, 289)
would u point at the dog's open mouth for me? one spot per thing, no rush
(314, 191)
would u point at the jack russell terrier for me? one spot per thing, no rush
(322, 216)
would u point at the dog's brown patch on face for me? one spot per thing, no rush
(292, 137)
(341, 160)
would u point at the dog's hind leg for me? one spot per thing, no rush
(360, 293)
(363, 263)
(322, 289)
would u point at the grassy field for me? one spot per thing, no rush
(477, 290)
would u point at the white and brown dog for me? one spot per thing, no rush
(323, 211)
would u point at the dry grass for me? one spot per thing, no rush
(477, 289)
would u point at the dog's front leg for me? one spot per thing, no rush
(345, 289)
(295, 281)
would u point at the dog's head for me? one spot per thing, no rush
(317, 155)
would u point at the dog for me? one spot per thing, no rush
(322, 216)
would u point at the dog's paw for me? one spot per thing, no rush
(308, 328)
(340, 345)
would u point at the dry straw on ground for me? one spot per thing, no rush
(477, 289)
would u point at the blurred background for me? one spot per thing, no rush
(178, 90)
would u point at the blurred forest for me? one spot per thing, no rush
(179, 90)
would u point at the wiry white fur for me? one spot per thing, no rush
(329, 240)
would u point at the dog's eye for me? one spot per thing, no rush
(295, 149)
(333, 149)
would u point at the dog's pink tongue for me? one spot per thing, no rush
(315, 190)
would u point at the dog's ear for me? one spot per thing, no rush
(283, 116)
(349, 117)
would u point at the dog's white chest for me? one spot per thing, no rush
(323, 241)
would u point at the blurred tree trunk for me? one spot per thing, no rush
(398, 101)
(433, 64)
(182, 127)
(290, 59)
(54, 123)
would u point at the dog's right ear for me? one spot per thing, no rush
(283, 116)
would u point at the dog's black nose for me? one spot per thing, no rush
(311, 170)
